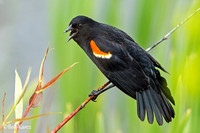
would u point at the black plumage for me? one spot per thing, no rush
(127, 65)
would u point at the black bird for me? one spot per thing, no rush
(127, 65)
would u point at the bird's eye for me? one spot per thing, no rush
(79, 25)
(74, 25)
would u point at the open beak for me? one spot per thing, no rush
(68, 29)
(73, 32)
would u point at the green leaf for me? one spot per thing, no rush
(99, 127)
(181, 126)
(18, 91)
(21, 94)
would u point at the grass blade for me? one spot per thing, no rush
(18, 92)
(31, 117)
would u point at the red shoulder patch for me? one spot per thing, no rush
(97, 52)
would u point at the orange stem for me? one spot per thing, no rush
(77, 110)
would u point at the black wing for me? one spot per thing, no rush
(133, 72)
(121, 69)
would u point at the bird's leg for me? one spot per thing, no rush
(105, 87)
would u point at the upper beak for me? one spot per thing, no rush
(68, 29)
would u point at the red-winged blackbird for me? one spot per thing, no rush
(127, 65)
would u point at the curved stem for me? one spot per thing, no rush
(78, 109)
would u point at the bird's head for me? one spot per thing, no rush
(79, 26)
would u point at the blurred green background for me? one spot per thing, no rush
(146, 22)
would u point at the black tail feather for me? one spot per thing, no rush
(154, 103)
(148, 107)
(156, 111)
(140, 106)
(170, 108)
(158, 101)
(162, 84)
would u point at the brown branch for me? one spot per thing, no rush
(78, 109)
(3, 109)
(174, 29)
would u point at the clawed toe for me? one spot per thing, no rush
(94, 93)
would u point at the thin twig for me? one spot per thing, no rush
(175, 28)
(3, 108)
(72, 114)
(78, 109)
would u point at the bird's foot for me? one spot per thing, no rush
(95, 94)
